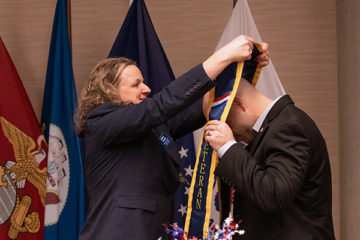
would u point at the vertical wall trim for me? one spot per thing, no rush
(348, 35)
(68, 4)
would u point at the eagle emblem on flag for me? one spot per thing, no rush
(15, 174)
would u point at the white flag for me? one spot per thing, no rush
(242, 23)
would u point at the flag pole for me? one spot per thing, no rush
(68, 13)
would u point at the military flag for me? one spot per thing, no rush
(23, 159)
(65, 196)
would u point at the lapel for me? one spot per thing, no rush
(224, 196)
(273, 113)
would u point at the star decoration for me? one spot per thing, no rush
(182, 209)
(188, 171)
(187, 190)
(183, 152)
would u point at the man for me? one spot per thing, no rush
(282, 178)
(131, 158)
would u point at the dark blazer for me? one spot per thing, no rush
(132, 161)
(282, 179)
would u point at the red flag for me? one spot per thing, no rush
(22, 159)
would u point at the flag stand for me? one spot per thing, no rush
(68, 4)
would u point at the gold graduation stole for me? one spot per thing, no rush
(202, 183)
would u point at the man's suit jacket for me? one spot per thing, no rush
(132, 161)
(282, 179)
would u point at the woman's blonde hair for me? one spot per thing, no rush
(101, 87)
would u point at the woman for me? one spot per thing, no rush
(131, 166)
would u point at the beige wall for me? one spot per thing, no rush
(301, 34)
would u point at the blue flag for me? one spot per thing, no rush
(137, 40)
(65, 198)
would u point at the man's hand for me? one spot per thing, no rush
(217, 134)
(263, 58)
